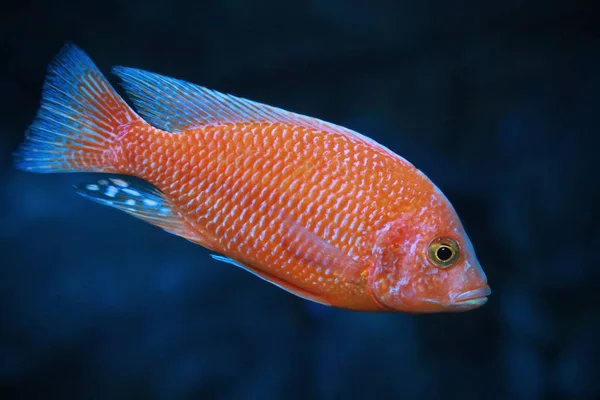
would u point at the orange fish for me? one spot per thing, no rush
(317, 209)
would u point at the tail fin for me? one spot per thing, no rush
(80, 116)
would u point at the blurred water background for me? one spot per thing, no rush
(496, 101)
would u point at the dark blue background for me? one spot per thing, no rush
(498, 102)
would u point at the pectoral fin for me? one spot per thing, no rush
(316, 252)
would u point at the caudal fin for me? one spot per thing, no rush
(80, 117)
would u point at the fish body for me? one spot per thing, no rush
(315, 208)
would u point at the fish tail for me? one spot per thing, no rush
(80, 119)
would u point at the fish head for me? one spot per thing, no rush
(425, 261)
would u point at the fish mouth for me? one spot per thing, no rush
(472, 298)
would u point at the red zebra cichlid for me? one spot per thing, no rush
(317, 209)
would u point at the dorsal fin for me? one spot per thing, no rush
(176, 106)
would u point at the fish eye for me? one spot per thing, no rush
(443, 252)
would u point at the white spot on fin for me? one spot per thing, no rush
(111, 191)
(150, 202)
(132, 192)
(119, 182)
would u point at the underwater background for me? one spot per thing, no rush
(497, 102)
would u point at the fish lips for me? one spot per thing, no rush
(471, 298)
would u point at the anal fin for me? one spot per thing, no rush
(141, 200)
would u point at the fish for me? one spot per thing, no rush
(317, 209)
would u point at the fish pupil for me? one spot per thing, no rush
(444, 253)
